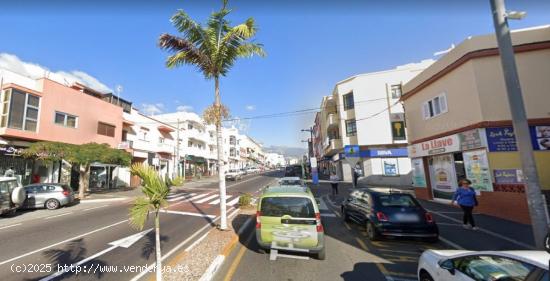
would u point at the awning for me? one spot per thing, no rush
(127, 122)
(195, 159)
(166, 129)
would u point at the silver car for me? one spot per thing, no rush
(48, 195)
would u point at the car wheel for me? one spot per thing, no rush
(372, 234)
(321, 255)
(547, 243)
(425, 276)
(52, 204)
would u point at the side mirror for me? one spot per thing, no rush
(447, 265)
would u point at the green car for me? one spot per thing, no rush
(288, 219)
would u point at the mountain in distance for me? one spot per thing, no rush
(286, 150)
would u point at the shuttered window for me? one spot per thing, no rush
(105, 129)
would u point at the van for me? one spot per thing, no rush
(12, 195)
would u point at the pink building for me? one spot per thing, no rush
(45, 110)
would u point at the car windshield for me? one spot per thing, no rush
(397, 200)
(291, 182)
(298, 207)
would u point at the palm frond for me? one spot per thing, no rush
(247, 50)
(139, 212)
(185, 52)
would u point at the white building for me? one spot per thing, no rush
(364, 110)
(275, 160)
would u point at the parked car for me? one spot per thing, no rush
(389, 212)
(288, 219)
(244, 172)
(293, 171)
(48, 195)
(291, 181)
(448, 265)
(233, 174)
(12, 195)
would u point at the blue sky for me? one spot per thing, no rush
(310, 45)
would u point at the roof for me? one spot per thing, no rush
(290, 178)
(292, 190)
(383, 190)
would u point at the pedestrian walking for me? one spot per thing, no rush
(334, 183)
(465, 197)
(9, 172)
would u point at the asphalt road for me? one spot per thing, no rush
(351, 256)
(32, 248)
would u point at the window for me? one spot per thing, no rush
(143, 132)
(189, 144)
(348, 101)
(493, 268)
(435, 106)
(351, 129)
(232, 140)
(297, 207)
(396, 91)
(161, 140)
(105, 129)
(23, 111)
(190, 126)
(232, 152)
(65, 119)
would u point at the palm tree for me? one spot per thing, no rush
(213, 49)
(155, 191)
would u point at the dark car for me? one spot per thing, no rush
(389, 212)
(293, 171)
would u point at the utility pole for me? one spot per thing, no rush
(519, 119)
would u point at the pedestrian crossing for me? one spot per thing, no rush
(211, 198)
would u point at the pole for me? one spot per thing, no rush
(519, 122)
(178, 149)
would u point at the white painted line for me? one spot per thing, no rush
(233, 202)
(64, 214)
(61, 242)
(8, 226)
(500, 236)
(182, 197)
(102, 200)
(196, 242)
(95, 207)
(323, 205)
(452, 244)
(187, 214)
(207, 198)
(328, 215)
(198, 196)
(244, 226)
(214, 266)
(252, 178)
(217, 201)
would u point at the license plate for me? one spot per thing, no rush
(406, 218)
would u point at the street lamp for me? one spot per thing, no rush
(519, 119)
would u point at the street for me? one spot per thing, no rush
(351, 256)
(89, 235)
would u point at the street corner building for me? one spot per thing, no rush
(459, 123)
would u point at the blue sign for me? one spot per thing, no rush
(351, 151)
(394, 152)
(501, 139)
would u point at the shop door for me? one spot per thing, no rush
(443, 176)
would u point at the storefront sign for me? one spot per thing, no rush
(398, 130)
(351, 151)
(471, 139)
(443, 175)
(418, 175)
(508, 176)
(501, 139)
(540, 135)
(394, 152)
(390, 167)
(436, 146)
(10, 150)
(477, 169)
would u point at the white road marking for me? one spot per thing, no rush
(8, 226)
(95, 207)
(217, 201)
(233, 202)
(181, 197)
(328, 215)
(61, 242)
(103, 200)
(452, 244)
(323, 205)
(64, 214)
(196, 242)
(198, 196)
(207, 198)
(187, 214)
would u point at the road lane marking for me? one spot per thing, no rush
(323, 205)
(181, 197)
(450, 243)
(207, 198)
(489, 232)
(233, 202)
(217, 201)
(95, 207)
(196, 242)
(103, 200)
(187, 214)
(237, 260)
(64, 214)
(400, 251)
(347, 225)
(328, 215)
(8, 226)
(61, 242)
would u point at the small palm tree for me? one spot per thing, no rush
(155, 191)
(213, 49)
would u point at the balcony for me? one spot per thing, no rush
(198, 135)
(332, 120)
(126, 145)
(333, 146)
(165, 148)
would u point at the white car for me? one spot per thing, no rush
(450, 265)
(291, 181)
(233, 174)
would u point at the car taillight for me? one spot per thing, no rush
(66, 192)
(258, 222)
(429, 217)
(381, 216)
(318, 222)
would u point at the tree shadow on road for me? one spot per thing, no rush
(361, 271)
(149, 247)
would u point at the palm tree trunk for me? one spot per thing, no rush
(157, 247)
(83, 179)
(221, 164)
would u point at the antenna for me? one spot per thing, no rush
(119, 90)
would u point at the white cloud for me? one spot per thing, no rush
(243, 125)
(35, 71)
(184, 108)
(250, 107)
(152, 109)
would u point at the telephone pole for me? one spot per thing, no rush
(519, 119)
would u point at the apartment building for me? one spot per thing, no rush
(254, 155)
(364, 111)
(459, 122)
(45, 110)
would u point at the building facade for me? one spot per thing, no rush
(459, 122)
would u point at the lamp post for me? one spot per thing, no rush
(519, 118)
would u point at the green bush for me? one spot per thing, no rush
(178, 181)
(245, 200)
